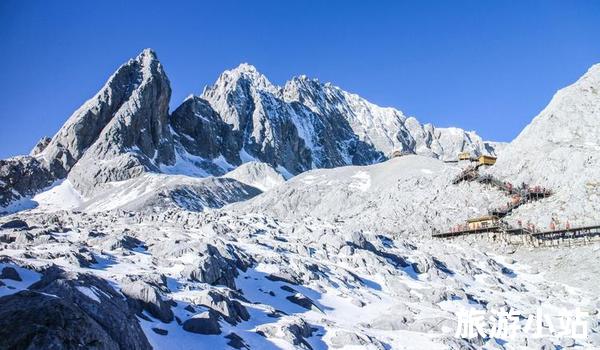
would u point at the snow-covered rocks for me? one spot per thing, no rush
(206, 323)
(560, 150)
(292, 330)
(256, 174)
(410, 195)
(67, 308)
(286, 282)
(40, 146)
(223, 303)
(44, 321)
(342, 339)
(144, 296)
(213, 268)
(21, 177)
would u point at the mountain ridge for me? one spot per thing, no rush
(126, 130)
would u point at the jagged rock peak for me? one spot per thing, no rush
(120, 132)
(84, 126)
(147, 54)
(245, 68)
(305, 90)
(236, 93)
(150, 64)
(247, 73)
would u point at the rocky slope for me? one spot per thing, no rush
(126, 130)
(407, 196)
(217, 280)
(560, 150)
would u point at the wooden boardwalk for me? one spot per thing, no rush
(566, 234)
(575, 232)
(520, 195)
(453, 234)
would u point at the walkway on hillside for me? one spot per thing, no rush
(541, 236)
(520, 195)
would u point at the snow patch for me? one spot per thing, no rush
(88, 292)
(360, 181)
(62, 196)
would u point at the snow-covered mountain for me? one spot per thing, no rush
(263, 217)
(560, 150)
(562, 142)
(126, 130)
(386, 129)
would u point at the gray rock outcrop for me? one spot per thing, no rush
(203, 323)
(67, 311)
(231, 310)
(10, 273)
(120, 133)
(31, 320)
(212, 268)
(195, 120)
(22, 176)
(40, 146)
(293, 330)
(143, 296)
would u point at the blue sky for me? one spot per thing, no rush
(488, 66)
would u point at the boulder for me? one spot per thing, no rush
(392, 322)
(160, 331)
(103, 307)
(204, 323)
(33, 320)
(15, 224)
(214, 268)
(143, 296)
(10, 273)
(342, 339)
(231, 310)
(283, 276)
(236, 342)
(122, 241)
(303, 301)
(292, 329)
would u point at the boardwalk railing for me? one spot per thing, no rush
(456, 233)
(552, 235)
(523, 194)
(576, 232)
